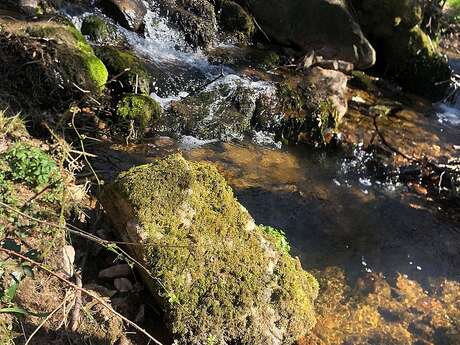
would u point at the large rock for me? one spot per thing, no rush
(321, 25)
(46, 63)
(313, 106)
(218, 277)
(196, 19)
(221, 111)
(405, 52)
(129, 13)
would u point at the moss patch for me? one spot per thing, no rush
(96, 28)
(235, 19)
(118, 60)
(218, 276)
(140, 108)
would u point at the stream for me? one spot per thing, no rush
(340, 220)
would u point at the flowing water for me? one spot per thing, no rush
(387, 260)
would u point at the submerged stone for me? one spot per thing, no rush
(218, 277)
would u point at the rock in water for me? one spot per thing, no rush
(321, 25)
(218, 277)
(129, 13)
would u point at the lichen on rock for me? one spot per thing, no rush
(218, 277)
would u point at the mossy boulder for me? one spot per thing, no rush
(131, 70)
(98, 30)
(218, 277)
(405, 53)
(47, 62)
(233, 18)
(140, 108)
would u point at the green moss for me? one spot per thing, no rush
(222, 277)
(118, 60)
(141, 108)
(362, 81)
(235, 19)
(278, 236)
(96, 28)
(413, 61)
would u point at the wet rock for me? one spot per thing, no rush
(196, 19)
(322, 25)
(98, 30)
(50, 57)
(140, 108)
(123, 284)
(223, 112)
(131, 71)
(405, 52)
(129, 13)
(313, 106)
(216, 275)
(116, 271)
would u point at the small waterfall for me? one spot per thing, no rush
(184, 70)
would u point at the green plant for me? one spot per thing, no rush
(278, 236)
(32, 166)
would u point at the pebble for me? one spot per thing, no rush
(123, 284)
(117, 271)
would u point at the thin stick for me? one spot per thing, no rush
(83, 150)
(46, 320)
(83, 290)
(75, 321)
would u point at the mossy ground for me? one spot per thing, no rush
(223, 279)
